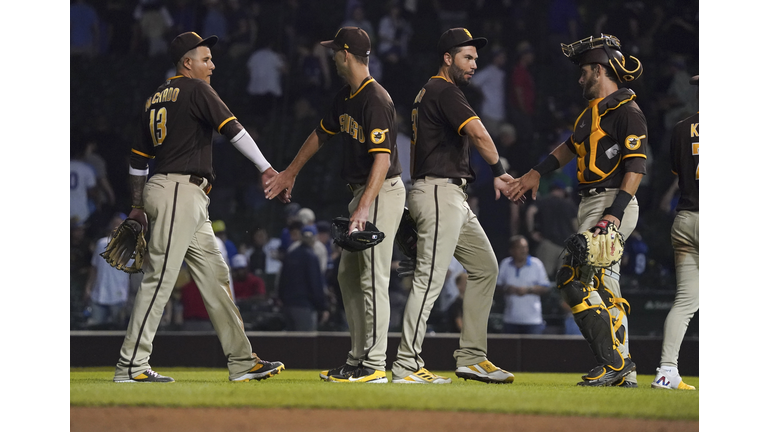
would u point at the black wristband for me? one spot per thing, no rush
(619, 204)
(549, 164)
(498, 169)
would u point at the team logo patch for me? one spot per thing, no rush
(378, 136)
(633, 142)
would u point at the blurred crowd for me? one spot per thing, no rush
(277, 79)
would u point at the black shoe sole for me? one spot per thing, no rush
(486, 380)
(609, 381)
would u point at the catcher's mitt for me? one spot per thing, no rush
(125, 243)
(601, 251)
(358, 240)
(407, 235)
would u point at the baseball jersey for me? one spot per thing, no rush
(685, 162)
(177, 128)
(609, 138)
(524, 309)
(365, 120)
(440, 112)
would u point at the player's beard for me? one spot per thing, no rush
(590, 88)
(457, 74)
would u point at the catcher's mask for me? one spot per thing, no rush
(605, 50)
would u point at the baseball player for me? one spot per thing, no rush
(609, 139)
(684, 150)
(444, 125)
(177, 126)
(363, 115)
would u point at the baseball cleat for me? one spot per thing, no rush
(341, 370)
(624, 383)
(261, 370)
(422, 376)
(147, 376)
(669, 378)
(601, 376)
(360, 374)
(486, 372)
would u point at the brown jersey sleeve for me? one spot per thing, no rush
(455, 108)
(379, 121)
(208, 106)
(632, 135)
(329, 125)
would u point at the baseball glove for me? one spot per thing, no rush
(603, 250)
(125, 243)
(407, 235)
(358, 240)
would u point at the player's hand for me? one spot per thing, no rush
(358, 219)
(528, 182)
(601, 227)
(140, 216)
(277, 184)
(503, 186)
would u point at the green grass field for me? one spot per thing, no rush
(531, 393)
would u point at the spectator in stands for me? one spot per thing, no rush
(152, 26)
(220, 230)
(265, 67)
(521, 90)
(84, 35)
(445, 319)
(300, 288)
(247, 285)
(491, 80)
(523, 280)
(195, 315)
(455, 311)
(82, 185)
(107, 287)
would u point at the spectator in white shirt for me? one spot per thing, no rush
(522, 279)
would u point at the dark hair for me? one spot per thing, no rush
(451, 52)
(608, 72)
(361, 59)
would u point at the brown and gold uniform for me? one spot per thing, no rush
(610, 139)
(365, 121)
(685, 237)
(447, 226)
(177, 126)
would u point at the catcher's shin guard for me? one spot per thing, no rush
(615, 305)
(594, 321)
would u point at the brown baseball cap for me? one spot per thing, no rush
(459, 37)
(352, 39)
(188, 41)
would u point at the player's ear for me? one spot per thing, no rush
(447, 58)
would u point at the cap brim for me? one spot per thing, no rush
(478, 43)
(330, 44)
(209, 41)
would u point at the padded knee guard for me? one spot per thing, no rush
(572, 290)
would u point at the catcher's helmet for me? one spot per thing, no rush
(605, 50)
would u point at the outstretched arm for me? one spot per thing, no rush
(283, 182)
(530, 180)
(487, 149)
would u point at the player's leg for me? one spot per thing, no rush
(211, 274)
(685, 241)
(173, 213)
(437, 209)
(475, 253)
(385, 213)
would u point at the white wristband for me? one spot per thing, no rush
(247, 146)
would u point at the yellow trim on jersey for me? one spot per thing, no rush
(438, 76)
(225, 122)
(380, 150)
(465, 123)
(326, 130)
(361, 87)
(174, 77)
(635, 155)
(142, 154)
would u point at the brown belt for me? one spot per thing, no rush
(197, 180)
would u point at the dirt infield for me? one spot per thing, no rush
(129, 419)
